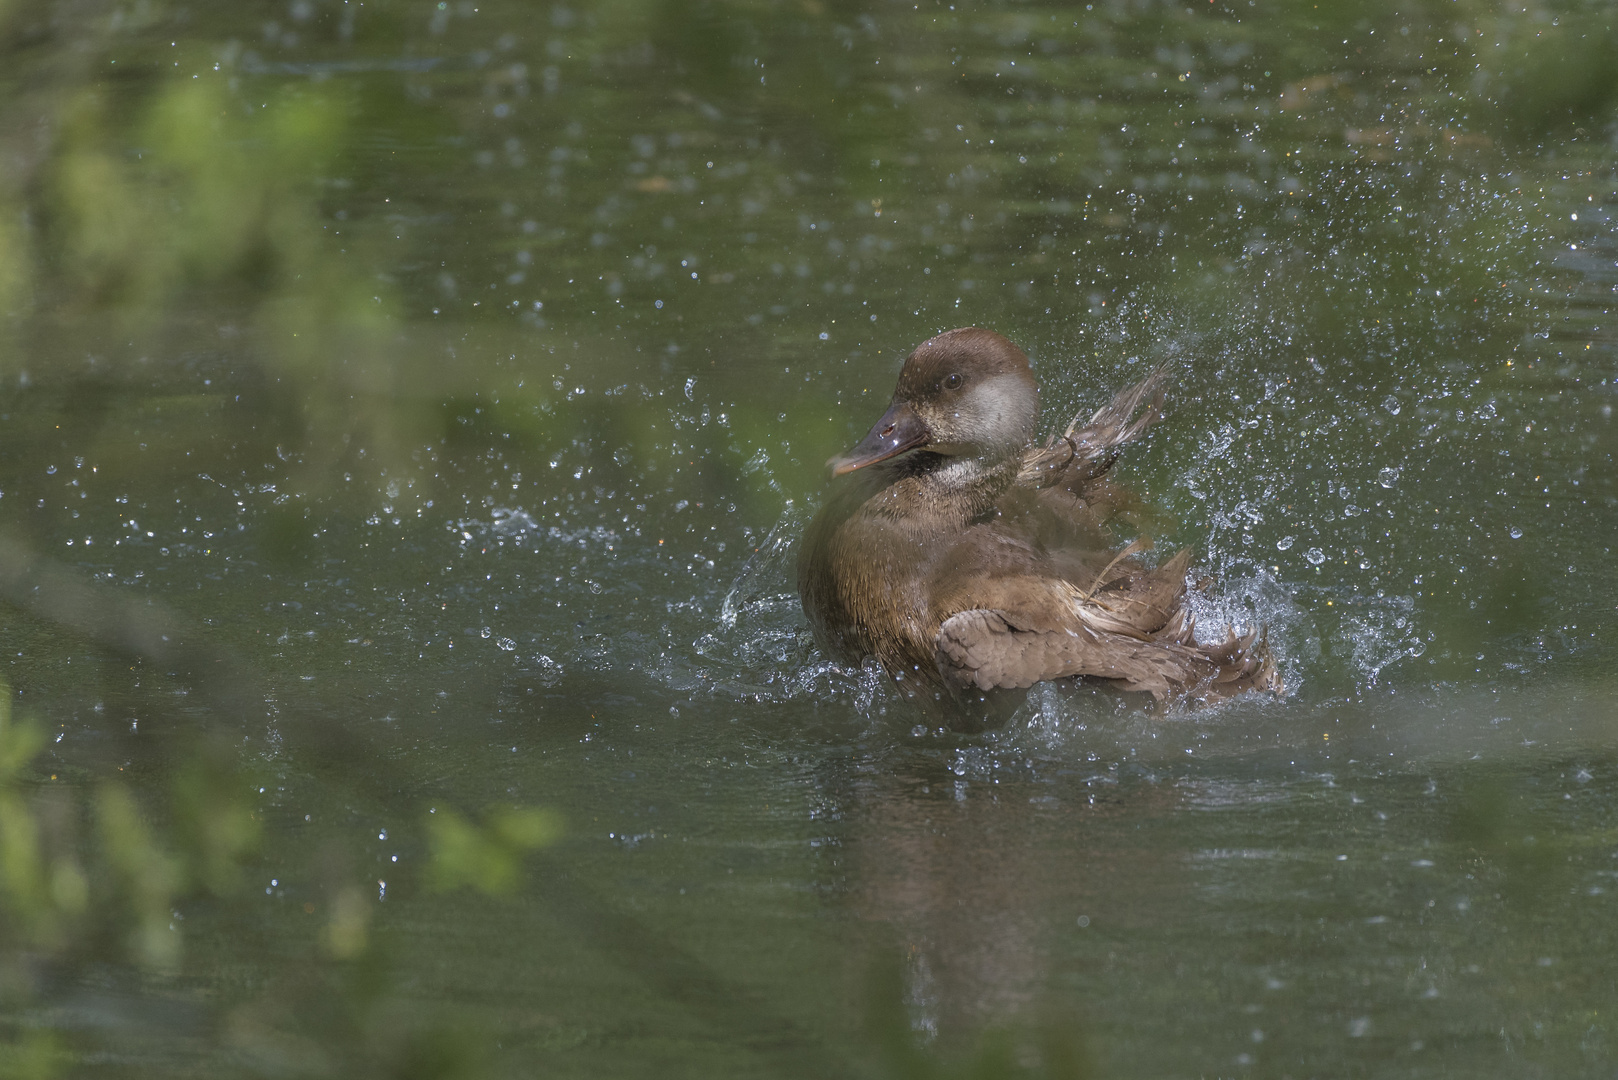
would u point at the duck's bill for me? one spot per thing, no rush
(900, 429)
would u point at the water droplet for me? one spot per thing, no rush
(1315, 556)
(1516, 533)
(1389, 476)
(1391, 404)
(1285, 542)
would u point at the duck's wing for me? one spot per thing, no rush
(1027, 630)
(1130, 599)
(988, 648)
(1084, 452)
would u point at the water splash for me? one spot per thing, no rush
(766, 583)
(1382, 632)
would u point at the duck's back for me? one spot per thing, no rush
(888, 559)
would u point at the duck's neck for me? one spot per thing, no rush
(963, 487)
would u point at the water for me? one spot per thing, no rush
(408, 415)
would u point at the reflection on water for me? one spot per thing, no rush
(408, 418)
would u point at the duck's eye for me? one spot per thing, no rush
(952, 383)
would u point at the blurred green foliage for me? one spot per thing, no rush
(140, 869)
(193, 197)
(15, 281)
(145, 876)
(33, 1055)
(212, 199)
(487, 856)
(57, 902)
(214, 823)
(1556, 77)
(41, 889)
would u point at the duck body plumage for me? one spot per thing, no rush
(956, 551)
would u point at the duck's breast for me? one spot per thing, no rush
(862, 577)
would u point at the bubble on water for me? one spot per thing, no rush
(1285, 542)
(1516, 532)
(549, 671)
(1389, 476)
(1315, 556)
(1391, 404)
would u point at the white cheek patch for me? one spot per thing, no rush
(995, 412)
(1005, 402)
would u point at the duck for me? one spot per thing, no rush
(965, 555)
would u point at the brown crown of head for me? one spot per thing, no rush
(971, 354)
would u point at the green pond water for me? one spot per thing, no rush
(409, 410)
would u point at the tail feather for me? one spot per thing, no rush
(1240, 664)
(1180, 630)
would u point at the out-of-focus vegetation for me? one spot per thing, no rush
(48, 888)
(89, 873)
(312, 259)
(487, 858)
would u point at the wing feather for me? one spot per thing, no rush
(1084, 453)
(1037, 629)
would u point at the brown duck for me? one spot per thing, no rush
(960, 552)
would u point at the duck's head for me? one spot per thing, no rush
(964, 393)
